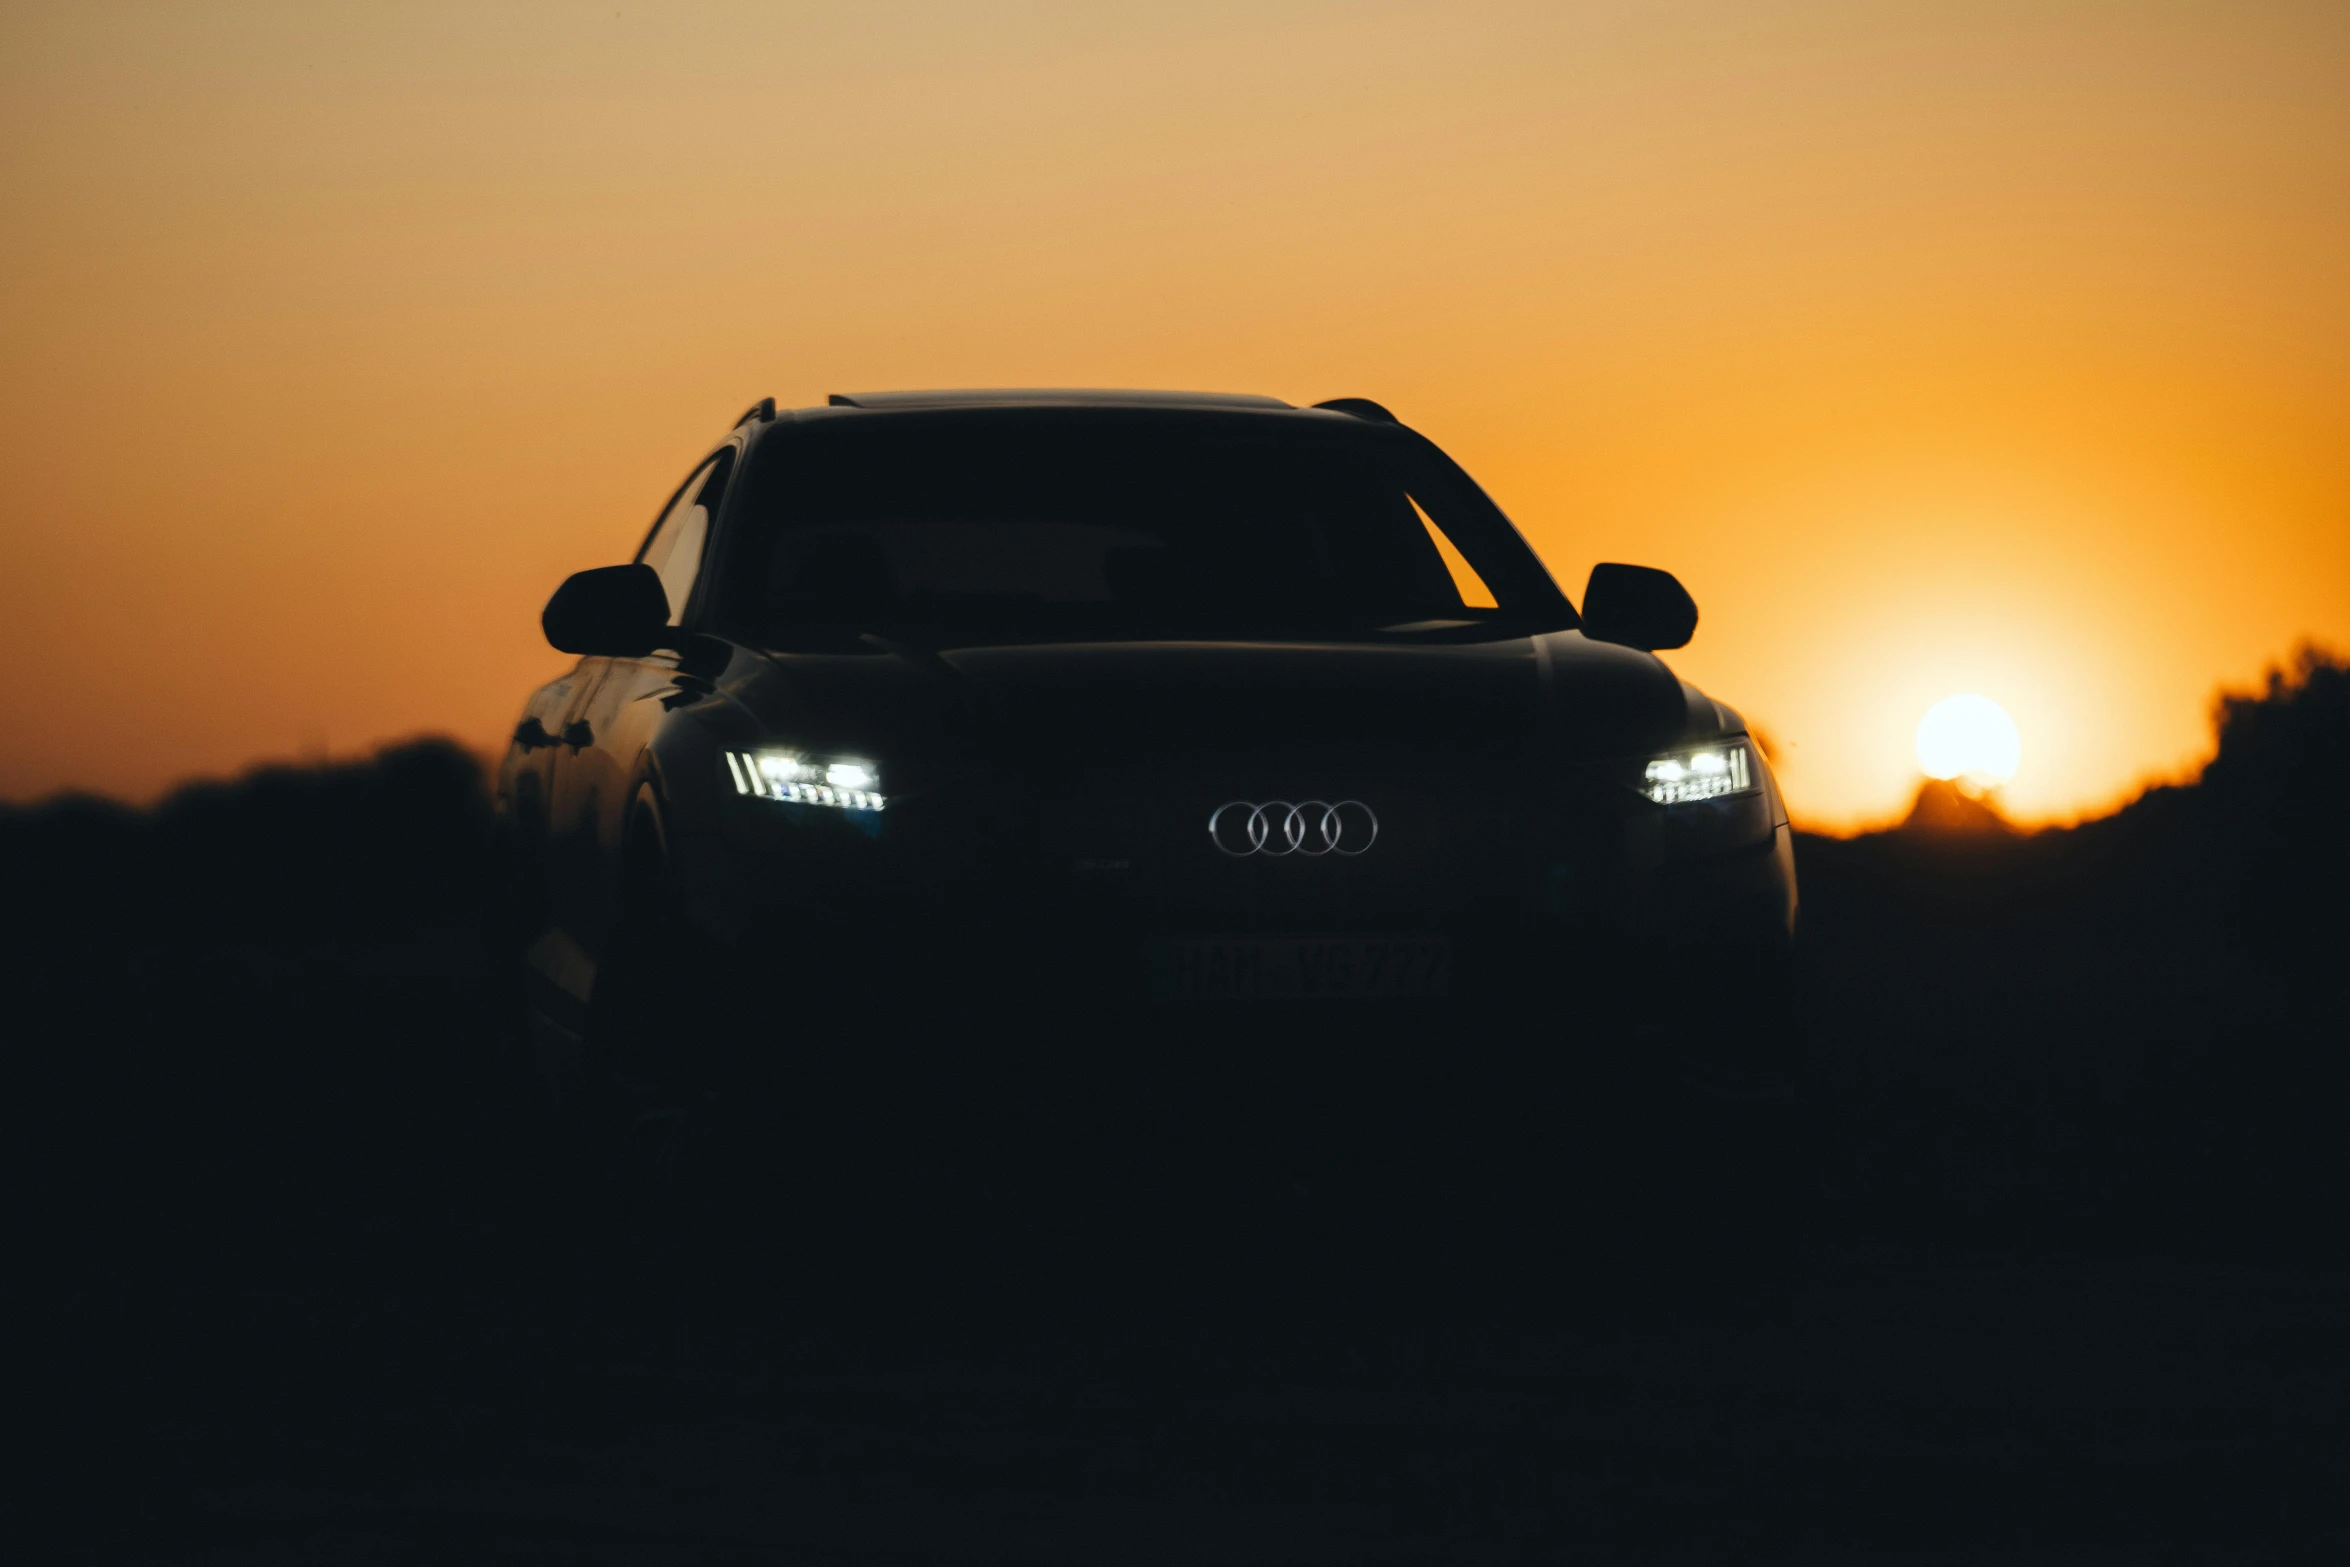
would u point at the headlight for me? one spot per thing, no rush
(845, 783)
(1705, 773)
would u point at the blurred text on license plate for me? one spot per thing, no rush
(1277, 967)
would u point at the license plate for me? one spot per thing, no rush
(1251, 968)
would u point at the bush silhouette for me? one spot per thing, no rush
(2273, 798)
(294, 857)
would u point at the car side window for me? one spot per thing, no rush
(1471, 587)
(675, 548)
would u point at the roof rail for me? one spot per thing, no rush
(762, 410)
(1361, 408)
(1049, 397)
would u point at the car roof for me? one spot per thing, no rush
(1052, 397)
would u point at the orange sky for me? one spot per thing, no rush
(1959, 347)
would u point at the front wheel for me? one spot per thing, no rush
(686, 1181)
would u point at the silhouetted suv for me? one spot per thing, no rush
(1185, 703)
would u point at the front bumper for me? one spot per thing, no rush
(971, 888)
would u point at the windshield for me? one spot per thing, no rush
(1099, 525)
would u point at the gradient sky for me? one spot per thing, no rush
(1975, 346)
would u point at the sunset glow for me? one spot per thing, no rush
(1935, 349)
(1969, 738)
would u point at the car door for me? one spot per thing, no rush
(596, 760)
(526, 781)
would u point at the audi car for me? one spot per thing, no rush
(1128, 703)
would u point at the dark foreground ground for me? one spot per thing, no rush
(2046, 1263)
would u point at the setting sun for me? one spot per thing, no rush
(1969, 738)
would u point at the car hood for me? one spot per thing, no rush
(1557, 695)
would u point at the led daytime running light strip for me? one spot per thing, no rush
(1699, 775)
(778, 775)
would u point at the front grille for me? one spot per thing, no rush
(1140, 844)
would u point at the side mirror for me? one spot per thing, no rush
(1638, 606)
(617, 611)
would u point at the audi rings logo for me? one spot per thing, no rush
(1275, 828)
